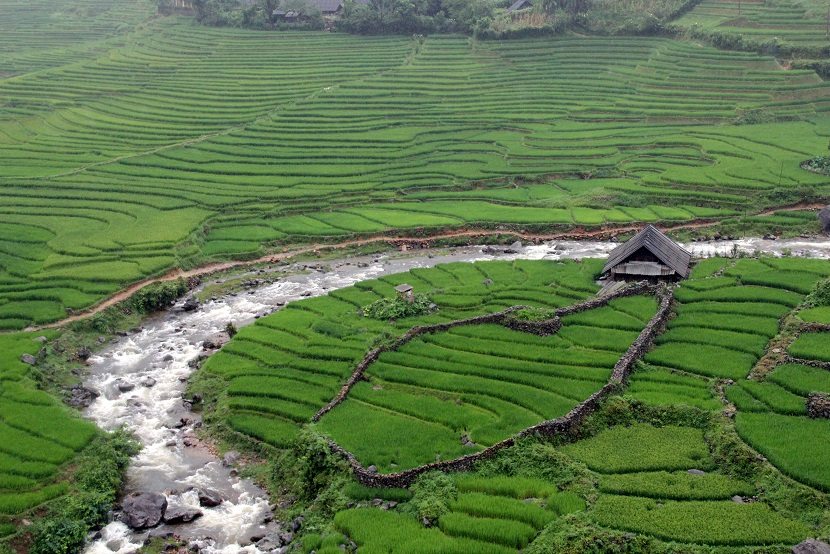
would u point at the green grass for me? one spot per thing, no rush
(812, 346)
(801, 379)
(816, 315)
(702, 522)
(378, 531)
(642, 447)
(679, 485)
(798, 446)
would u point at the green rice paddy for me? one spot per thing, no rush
(455, 392)
(128, 149)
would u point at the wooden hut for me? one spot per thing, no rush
(649, 256)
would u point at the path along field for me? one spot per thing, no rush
(160, 144)
(487, 382)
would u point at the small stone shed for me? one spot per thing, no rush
(405, 292)
(650, 255)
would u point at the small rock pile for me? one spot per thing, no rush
(818, 405)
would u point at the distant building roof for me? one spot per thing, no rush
(662, 247)
(403, 287)
(520, 5)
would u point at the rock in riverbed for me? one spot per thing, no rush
(181, 515)
(209, 498)
(81, 397)
(141, 510)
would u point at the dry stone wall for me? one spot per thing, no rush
(564, 425)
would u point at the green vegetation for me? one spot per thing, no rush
(796, 445)
(642, 448)
(788, 27)
(656, 468)
(482, 382)
(812, 346)
(395, 308)
(706, 522)
(121, 160)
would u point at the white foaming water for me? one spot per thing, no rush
(167, 342)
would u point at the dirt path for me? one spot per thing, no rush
(602, 233)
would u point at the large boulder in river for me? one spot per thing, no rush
(175, 515)
(824, 219)
(190, 304)
(141, 510)
(81, 397)
(812, 546)
(209, 498)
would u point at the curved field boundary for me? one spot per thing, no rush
(560, 426)
(603, 233)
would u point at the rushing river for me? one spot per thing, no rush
(151, 368)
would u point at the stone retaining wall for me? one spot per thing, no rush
(812, 363)
(564, 425)
(497, 317)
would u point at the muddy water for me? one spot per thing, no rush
(151, 368)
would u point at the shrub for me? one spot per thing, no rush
(432, 495)
(397, 308)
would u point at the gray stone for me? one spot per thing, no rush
(28, 359)
(737, 499)
(209, 498)
(114, 545)
(230, 458)
(148, 382)
(372, 469)
(286, 538)
(824, 219)
(696, 472)
(812, 546)
(123, 386)
(41, 339)
(268, 544)
(297, 523)
(177, 515)
(142, 510)
(190, 304)
(83, 353)
(81, 397)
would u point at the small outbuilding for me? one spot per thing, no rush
(520, 5)
(649, 256)
(405, 292)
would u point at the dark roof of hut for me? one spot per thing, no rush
(652, 239)
(519, 5)
(403, 287)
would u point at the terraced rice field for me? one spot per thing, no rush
(39, 436)
(163, 143)
(646, 488)
(801, 23)
(488, 515)
(774, 416)
(482, 382)
(285, 367)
